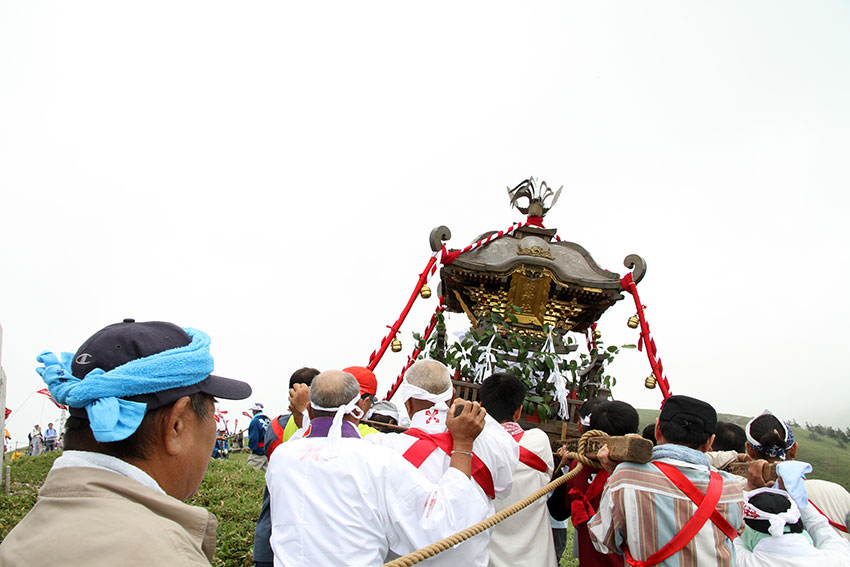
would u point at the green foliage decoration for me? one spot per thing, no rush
(522, 355)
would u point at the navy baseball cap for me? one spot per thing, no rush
(120, 343)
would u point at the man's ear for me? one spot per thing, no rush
(706, 447)
(791, 454)
(454, 395)
(517, 414)
(173, 426)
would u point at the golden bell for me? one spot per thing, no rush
(633, 322)
(425, 292)
(597, 334)
(396, 345)
(650, 382)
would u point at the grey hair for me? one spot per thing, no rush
(430, 375)
(333, 388)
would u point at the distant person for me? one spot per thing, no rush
(137, 442)
(578, 498)
(337, 500)
(263, 556)
(426, 392)
(50, 438)
(774, 535)
(257, 438)
(221, 450)
(36, 441)
(772, 439)
(526, 538)
(660, 497)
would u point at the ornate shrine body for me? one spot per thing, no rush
(555, 285)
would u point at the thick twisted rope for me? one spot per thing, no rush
(431, 550)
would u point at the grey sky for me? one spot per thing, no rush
(269, 173)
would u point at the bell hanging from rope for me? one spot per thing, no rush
(597, 334)
(425, 292)
(633, 322)
(396, 345)
(650, 382)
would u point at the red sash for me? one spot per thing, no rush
(581, 510)
(835, 525)
(706, 509)
(277, 428)
(529, 458)
(426, 444)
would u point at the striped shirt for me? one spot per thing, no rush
(641, 507)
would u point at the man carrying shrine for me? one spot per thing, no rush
(427, 444)
(337, 500)
(674, 510)
(524, 538)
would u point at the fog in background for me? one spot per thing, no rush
(269, 174)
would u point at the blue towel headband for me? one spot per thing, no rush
(100, 393)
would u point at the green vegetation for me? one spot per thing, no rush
(28, 474)
(233, 492)
(829, 460)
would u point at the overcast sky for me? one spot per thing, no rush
(269, 172)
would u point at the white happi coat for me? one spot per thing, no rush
(496, 449)
(526, 538)
(794, 550)
(353, 509)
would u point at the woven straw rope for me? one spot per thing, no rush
(431, 550)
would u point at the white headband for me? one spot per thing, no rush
(787, 439)
(335, 432)
(408, 390)
(777, 521)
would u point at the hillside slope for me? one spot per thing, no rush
(828, 460)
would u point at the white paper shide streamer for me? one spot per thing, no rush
(557, 379)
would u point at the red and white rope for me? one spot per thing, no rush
(416, 350)
(628, 284)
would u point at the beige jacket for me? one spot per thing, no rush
(94, 517)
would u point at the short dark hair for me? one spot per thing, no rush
(649, 433)
(501, 395)
(79, 436)
(729, 437)
(615, 418)
(674, 432)
(590, 406)
(303, 376)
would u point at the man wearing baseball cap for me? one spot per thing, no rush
(257, 438)
(137, 443)
(674, 510)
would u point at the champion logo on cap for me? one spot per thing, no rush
(84, 358)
